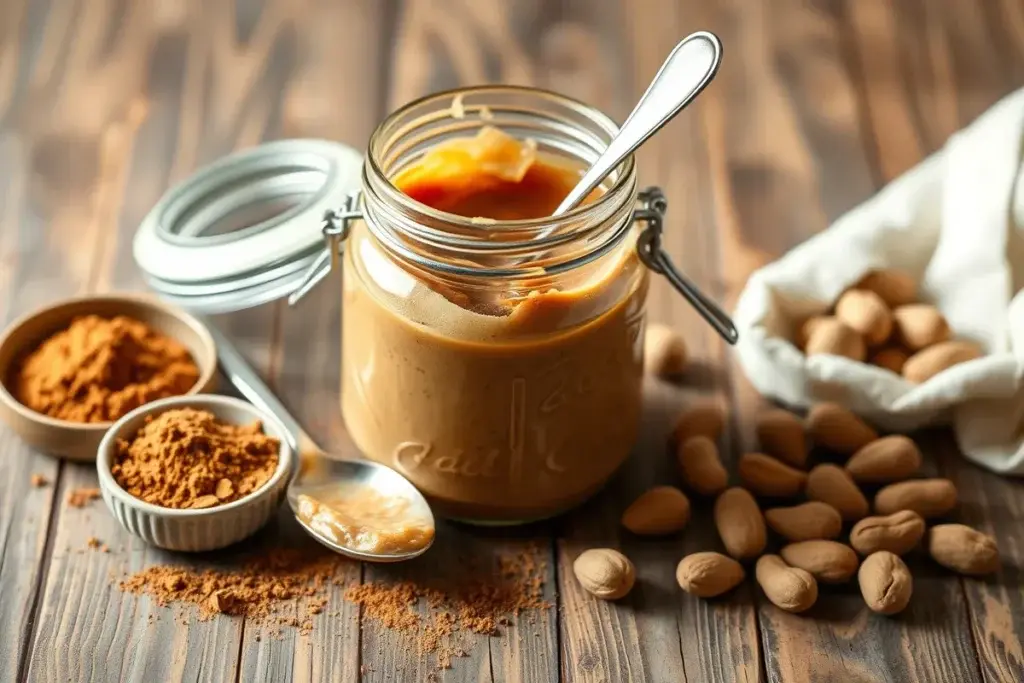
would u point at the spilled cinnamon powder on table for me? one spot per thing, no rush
(79, 498)
(435, 616)
(257, 590)
(479, 603)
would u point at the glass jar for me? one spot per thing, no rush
(496, 364)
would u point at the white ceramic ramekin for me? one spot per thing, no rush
(208, 528)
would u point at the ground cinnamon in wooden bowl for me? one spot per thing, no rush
(98, 369)
(69, 369)
(188, 459)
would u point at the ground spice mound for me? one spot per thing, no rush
(186, 458)
(479, 602)
(256, 590)
(98, 369)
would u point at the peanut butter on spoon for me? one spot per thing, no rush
(360, 518)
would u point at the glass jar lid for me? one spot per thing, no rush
(245, 229)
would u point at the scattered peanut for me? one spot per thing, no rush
(604, 573)
(895, 287)
(832, 336)
(963, 549)
(827, 561)
(740, 524)
(789, 588)
(766, 476)
(837, 429)
(781, 434)
(664, 351)
(892, 358)
(805, 522)
(897, 533)
(919, 326)
(891, 458)
(927, 497)
(708, 574)
(833, 485)
(660, 510)
(700, 467)
(701, 419)
(803, 333)
(865, 313)
(925, 364)
(885, 582)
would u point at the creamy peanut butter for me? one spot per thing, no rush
(500, 411)
(361, 519)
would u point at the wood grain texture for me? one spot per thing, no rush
(964, 39)
(336, 67)
(46, 251)
(805, 121)
(441, 45)
(104, 104)
(149, 109)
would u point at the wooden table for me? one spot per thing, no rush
(104, 104)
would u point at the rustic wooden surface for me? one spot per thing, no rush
(103, 104)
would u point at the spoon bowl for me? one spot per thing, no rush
(321, 476)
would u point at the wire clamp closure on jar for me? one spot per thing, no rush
(337, 223)
(652, 212)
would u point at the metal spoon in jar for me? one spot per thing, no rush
(320, 477)
(690, 66)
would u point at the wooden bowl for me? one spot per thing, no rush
(76, 440)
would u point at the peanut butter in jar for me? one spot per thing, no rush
(498, 370)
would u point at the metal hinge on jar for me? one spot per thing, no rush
(337, 224)
(652, 212)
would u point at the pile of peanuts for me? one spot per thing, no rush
(878, 320)
(834, 494)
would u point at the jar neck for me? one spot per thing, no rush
(449, 244)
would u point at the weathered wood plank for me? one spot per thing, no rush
(48, 230)
(994, 505)
(156, 118)
(874, 44)
(333, 92)
(439, 46)
(100, 112)
(678, 636)
(975, 52)
(777, 168)
(654, 634)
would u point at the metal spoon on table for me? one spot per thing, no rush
(318, 474)
(690, 66)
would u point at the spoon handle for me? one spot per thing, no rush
(690, 66)
(254, 389)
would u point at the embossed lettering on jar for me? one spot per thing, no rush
(494, 360)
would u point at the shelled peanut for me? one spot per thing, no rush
(813, 547)
(880, 321)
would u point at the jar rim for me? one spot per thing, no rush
(623, 173)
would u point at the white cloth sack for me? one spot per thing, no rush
(956, 223)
